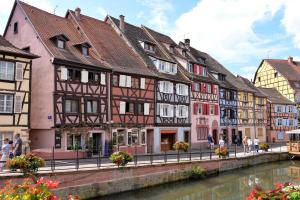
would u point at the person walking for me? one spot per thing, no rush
(5, 154)
(245, 144)
(11, 149)
(249, 143)
(256, 144)
(18, 145)
(210, 142)
(221, 142)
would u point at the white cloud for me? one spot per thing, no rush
(102, 11)
(224, 28)
(158, 12)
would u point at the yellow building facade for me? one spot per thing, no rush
(15, 78)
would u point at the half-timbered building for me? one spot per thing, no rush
(282, 115)
(172, 119)
(227, 96)
(132, 85)
(260, 111)
(69, 82)
(284, 75)
(15, 95)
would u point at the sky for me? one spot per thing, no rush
(238, 33)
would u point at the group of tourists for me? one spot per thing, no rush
(250, 145)
(10, 149)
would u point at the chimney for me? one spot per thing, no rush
(187, 42)
(77, 12)
(122, 23)
(290, 59)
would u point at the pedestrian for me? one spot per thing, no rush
(18, 145)
(245, 144)
(221, 142)
(5, 154)
(11, 149)
(256, 144)
(210, 142)
(249, 143)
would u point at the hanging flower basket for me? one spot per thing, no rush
(184, 146)
(222, 152)
(121, 158)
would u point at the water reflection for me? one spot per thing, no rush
(233, 185)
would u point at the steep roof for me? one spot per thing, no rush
(111, 46)
(274, 96)
(48, 26)
(8, 48)
(164, 39)
(290, 70)
(135, 35)
(251, 85)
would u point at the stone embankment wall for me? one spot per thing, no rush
(95, 183)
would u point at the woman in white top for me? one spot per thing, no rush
(221, 142)
(249, 142)
(5, 153)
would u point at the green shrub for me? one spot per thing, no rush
(121, 158)
(195, 173)
(181, 145)
(26, 163)
(294, 196)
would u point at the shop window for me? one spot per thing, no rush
(74, 142)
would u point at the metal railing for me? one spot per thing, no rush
(82, 161)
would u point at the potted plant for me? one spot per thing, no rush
(121, 158)
(181, 145)
(222, 152)
(264, 147)
(26, 163)
(89, 147)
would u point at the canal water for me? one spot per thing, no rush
(233, 185)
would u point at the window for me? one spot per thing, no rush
(166, 110)
(245, 97)
(115, 80)
(280, 135)
(171, 48)
(290, 109)
(27, 49)
(74, 75)
(124, 81)
(221, 77)
(167, 67)
(200, 108)
(91, 106)
(182, 89)
(190, 67)
(129, 108)
(85, 50)
(16, 28)
(222, 93)
(182, 111)
(291, 122)
(260, 115)
(202, 133)
(258, 79)
(140, 108)
(71, 106)
(184, 53)
(7, 70)
(279, 122)
(135, 83)
(278, 108)
(121, 137)
(208, 88)
(133, 137)
(275, 75)
(232, 114)
(148, 46)
(212, 109)
(143, 137)
(74, 141)
(166, 87)
(60, 44)
(204, 71)
(6, 103)
(245, 114)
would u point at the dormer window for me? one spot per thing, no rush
(184, 53)
(84, 48)
(221, 77)
(60, 41)
(60, 44)
(201, 60)
(85, 51)
(149, 46)
(171, 48)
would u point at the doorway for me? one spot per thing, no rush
(215, 136)
(225, 135)
(149, 140)
(167, 141)
(187, 136)
(97, 143)
(234, 137)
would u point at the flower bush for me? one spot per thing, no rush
(264, 147)
(195, 173)
(181, 145)
(284, 191)
(26, 163)
(29, 190)
(121, 158)
(222, 151)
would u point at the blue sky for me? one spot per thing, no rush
(238, 33)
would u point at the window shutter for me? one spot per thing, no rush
(18, 104)
(142, 83)
(186, 111)
(171, 111)
(63, 73)
(161, 86)
(275, 108)
(193, 86)
(202, 87)
(295, 109)
(216, 110)
(195, 69)
(196, 108)
(146, 108)
(175, 69)
(122, 107)
(295, 122)
(122, 82)
(161, 112)
(186, 90)
(170, 87)
(200, 70)
(213, 88)
(103, 79)
(204, 109)
(128, 81)
(177, 110)
(84, 76)
(177, 88)
(19, 71)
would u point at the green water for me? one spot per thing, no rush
(234, 185)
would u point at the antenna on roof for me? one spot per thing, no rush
(56, 6)
(268, 53)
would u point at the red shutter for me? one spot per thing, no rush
(196, 108)
(195, 69)
(193, 86)
(201, 87)
(200, 70)
(204, 109)
(216, 109)
(213, 88)
(205, 87)
(207, 109)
